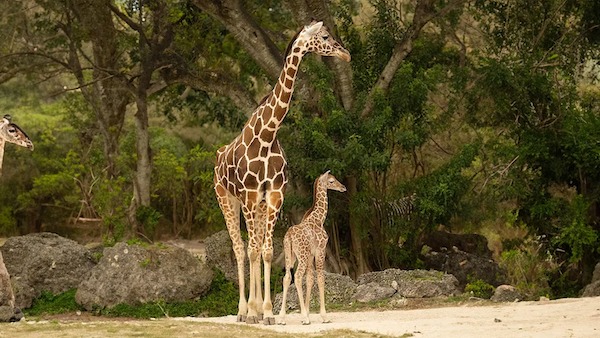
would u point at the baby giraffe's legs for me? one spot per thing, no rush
(310, 281)
(320, 262)
(298, 281)
(286, 284)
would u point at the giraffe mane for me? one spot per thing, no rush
(289, 47)
(264, 99)
(314, 199)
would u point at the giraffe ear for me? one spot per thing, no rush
(313, 28)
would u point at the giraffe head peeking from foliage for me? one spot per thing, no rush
(10, 132)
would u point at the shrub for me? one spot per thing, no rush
(480, 289)
(528, 268)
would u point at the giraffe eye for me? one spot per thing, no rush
(12, 130)
(325, 37)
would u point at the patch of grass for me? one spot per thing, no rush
(221, 300)
(49, 303)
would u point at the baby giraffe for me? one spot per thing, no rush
(307, 242)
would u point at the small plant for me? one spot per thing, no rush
(48, 303)
(97, 256)
(480, 289)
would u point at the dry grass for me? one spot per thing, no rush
(149, 328)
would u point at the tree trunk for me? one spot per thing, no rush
(142, 175)
(360, 262)
(108, 96)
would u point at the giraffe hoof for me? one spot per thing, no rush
(260, 316)
(325, 321)
(251, 320)
(269, 321)
(306, 322)
(241, 318)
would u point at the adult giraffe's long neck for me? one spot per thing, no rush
(267, 118)
(318, 212)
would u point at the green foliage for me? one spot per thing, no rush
(8, 223)
(480, 289)
(528, 268)
(49, 304)
(440, 193)
(577, 234)
(148, 217)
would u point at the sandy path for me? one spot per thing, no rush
(571, 317)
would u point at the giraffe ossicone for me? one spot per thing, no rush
(11, 133)
(250, 174)
(306, 243)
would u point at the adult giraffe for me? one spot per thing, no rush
(250, 174)
(10, 132)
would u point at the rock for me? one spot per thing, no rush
(470, 243)
(592, 290)
(465, 266)
(219, 254)
(506, 293)
(596, 275)
(44, 262)
(372, 292)
(132, 274)
(398, 301)
(413, 283)
(338, 289)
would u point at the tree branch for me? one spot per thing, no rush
(424, 13)
(246, 31)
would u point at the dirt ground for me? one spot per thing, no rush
(572, 317)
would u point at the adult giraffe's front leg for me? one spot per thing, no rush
(274, 203)
(231, 211)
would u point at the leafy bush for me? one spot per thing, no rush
(528, 268)
(480, 289)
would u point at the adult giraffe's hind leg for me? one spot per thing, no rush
(231, 211)
(254, 258)
(274, 204)
(260, 224)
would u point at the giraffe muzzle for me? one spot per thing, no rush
(343, 54)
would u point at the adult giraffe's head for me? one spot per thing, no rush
(10, 132)
(315, 38)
